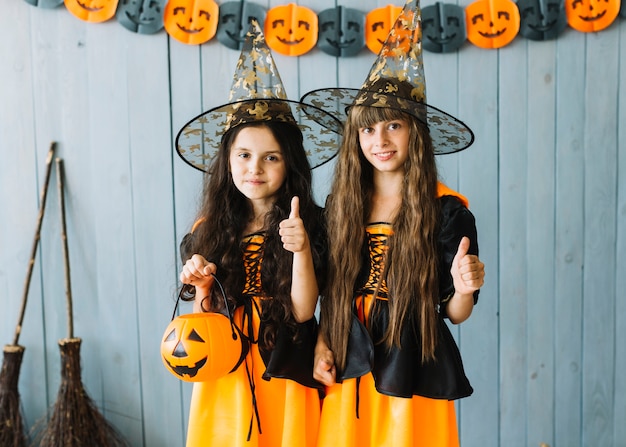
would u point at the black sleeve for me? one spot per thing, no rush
(456, 221)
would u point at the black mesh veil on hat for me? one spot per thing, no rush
(257, 94)
(396, 80)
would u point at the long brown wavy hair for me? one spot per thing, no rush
(225, 211)
(411, 261)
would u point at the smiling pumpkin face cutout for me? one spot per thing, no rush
(591, 15)
(378, 23)
(290, 29)
(443, 27)
(141, 16)
(235, 19)
(341, 31)
(191, 21)
(94, 11)
(541, 19)
(492, 23)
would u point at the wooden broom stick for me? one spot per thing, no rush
(33, 253)
(66, 256)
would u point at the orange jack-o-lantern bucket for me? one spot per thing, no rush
(202, 346)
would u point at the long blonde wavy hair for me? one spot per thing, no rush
(411, 261)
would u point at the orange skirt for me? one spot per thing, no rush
(222, 412)
(384, 421)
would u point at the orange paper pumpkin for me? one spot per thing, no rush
(193, 22)
(492, 23)
(201, 346)
(291, 29)
(94, 11)
(591, 15)
(378, 23)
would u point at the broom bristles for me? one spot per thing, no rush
(12, 433)
(75, 419)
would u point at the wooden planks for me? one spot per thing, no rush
(545, 179)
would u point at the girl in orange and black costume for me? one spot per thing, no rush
(259, 236)
(403, 256)
(256, 264)
(384, 350)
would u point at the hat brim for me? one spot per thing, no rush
(449, 134)
(198, 141)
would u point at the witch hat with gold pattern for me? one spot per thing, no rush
(396, 80)
(257, 94)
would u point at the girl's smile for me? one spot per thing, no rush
(257, 165)
(385, 144)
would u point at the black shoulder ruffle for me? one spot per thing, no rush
(292, 356)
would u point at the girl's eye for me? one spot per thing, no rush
(243, 155)
(394, 125)
(366, 130)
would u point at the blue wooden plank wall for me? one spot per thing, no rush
(546, 180)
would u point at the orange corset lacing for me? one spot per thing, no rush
(377, 239)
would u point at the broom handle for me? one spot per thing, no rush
(33, 253)
(66, 256)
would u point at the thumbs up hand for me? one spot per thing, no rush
(291, 230)
(468, 272)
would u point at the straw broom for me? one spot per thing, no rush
(12, 433)
(75, 420)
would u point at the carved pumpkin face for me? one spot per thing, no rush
(443, 27)
(291, 29)
(235, 19)
(199, 347)
(378, 23)
(591, 15)
(492, 23)
(94, 11)
(341, 31)
(541, 19)
(191, 21)
(141, 16)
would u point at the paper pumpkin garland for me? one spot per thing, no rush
(141, 16)
(492, 23)
(591, 15)
(235, 18)
(443, 27)
(293, 31)
(378, 23)
(290, 29)
(341, 31)
(541, 19)
(191, 21)
(94, 11)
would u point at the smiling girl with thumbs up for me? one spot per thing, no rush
(260, 233)
(390, 363)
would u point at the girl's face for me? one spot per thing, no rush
(257, 165)
(385, 144)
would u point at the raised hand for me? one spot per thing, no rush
(468, 272)
(292, 233)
